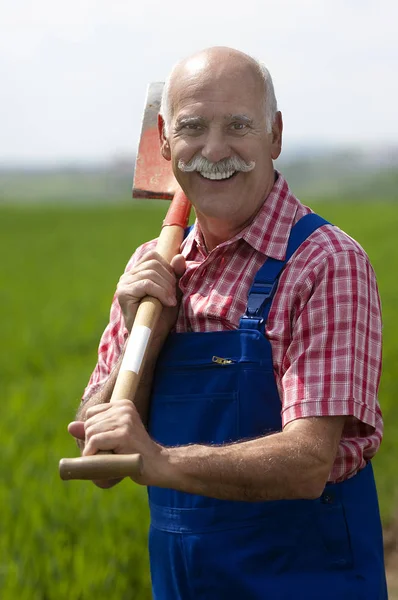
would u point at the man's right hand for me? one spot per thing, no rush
(152, 276)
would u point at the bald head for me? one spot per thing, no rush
(214, 65)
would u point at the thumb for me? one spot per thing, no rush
(178, 264)
(76, 428)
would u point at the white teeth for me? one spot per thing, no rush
(226, 175)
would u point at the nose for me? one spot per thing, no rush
(216, 145)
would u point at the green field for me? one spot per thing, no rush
(58, 271)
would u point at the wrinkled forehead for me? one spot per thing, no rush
(201, 83)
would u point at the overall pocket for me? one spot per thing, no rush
(178, 420)
(330, 520)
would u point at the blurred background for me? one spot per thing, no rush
(73, 83)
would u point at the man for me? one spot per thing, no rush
(263, 401)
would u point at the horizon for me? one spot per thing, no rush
(387, 153)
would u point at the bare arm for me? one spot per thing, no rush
(294, 463)
(102, 395)
(291, 464)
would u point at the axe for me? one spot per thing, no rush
(153, 178)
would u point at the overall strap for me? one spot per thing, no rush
(266, 280)
(187, 231)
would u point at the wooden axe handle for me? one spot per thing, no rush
(111, 466)
(101, 466)
(145, 321)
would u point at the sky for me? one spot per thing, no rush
(73, 74)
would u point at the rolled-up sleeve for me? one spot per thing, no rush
(333, 362)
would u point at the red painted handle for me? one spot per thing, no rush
(178, 213)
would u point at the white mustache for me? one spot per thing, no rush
(201, 164)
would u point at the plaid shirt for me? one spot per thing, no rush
(324, 325)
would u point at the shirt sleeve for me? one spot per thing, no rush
(333, 363)
(109, 350)
(114, 337)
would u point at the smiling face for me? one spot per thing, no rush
(217, 138)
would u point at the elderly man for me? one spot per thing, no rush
(263, 411)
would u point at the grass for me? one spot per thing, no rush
(58, 272)
(57, 278)
(374, 225)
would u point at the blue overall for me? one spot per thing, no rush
(212, 388)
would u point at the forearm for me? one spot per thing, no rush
(101, 396)
(249, 471)
(279, 466)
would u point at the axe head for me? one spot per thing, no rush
(153, 177)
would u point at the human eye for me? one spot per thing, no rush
(239, 126)
(190, 126)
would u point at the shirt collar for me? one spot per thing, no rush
(270, 229)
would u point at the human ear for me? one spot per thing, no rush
(164, 143)
(277, 128)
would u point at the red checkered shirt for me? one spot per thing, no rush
(324, 324)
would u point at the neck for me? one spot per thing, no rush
(216, 231)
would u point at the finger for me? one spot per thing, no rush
(149, 286)
(100, 424)
(105, 484)
(76, 428)
(113, 415)
(104, 406)
(148, 271)
(104, 441)
(113, 429)
(152, 255)
(134, 285)
(153, 267)
(97, 409)
(178, 264)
